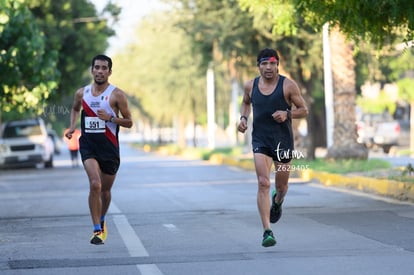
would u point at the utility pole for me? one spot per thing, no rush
(329, 99)
(211, 124)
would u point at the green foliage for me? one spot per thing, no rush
(377, 105)
(225, 151)
(28, 70)
(343, 166)
(406, 88)
(275, 15)
(221, 31)
(224, 38)
(408, 170)
(45, 52)
(387, 65)
(380, 22)
(228, 34)
(376, 20)
(163, 74)
(398, 63)
(77, 33)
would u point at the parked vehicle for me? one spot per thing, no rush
(378, 130)
(57, 142)
(25, 143)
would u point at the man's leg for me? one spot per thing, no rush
(282, 173)
(95, 187)
(95, 204)
(107, 182)
(263, 165)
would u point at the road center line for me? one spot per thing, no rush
(133, 243)
(149, 269)
(130, 238)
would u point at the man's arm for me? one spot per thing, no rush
(122, 103)
(295, 98)
(119, 103)
(75, 111)
(245, 107)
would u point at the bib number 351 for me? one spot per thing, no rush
(94, 125)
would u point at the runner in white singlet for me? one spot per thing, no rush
(104, 110)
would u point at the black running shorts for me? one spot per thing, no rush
(108, 166)
(283, 157)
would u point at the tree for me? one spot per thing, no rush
(225, 38)
(28, 70)
(163, 74)
(377, 21)
(221, 31)
(198, 33)
(75, 33)
(46, 47)
(343, 71)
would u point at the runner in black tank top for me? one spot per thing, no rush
(270, 137)
(271, 96)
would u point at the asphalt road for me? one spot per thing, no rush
(174, 216)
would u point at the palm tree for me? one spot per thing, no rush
(345, 144)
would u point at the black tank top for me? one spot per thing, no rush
(266, 131)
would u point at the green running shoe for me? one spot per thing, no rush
(268, 238)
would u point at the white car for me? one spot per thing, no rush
(25, 143)
(378, 130)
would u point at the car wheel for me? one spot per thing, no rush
(49, 163)
(386, 148)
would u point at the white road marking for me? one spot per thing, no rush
(132, 242)
(149, 269)
(170, 227)
(130, 238)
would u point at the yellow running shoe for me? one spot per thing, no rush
(104, 230)
(97, 238)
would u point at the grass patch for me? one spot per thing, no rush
(228, 152)
(343, 166)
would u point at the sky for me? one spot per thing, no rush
(132, 12)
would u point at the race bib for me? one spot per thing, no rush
(94, 125)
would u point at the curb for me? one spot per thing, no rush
(399, 190)
(389, 188)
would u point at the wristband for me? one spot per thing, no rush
(245, 117)
(112, 119)
(289, 114)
